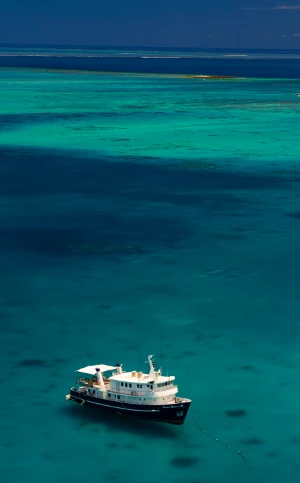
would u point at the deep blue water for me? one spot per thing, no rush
(243, 63)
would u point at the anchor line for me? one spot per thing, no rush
(239, 453)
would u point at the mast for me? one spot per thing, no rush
(152, 367)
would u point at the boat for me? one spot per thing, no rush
(149, 396)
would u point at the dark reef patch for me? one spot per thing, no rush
(188, 353)
(271, 454)
(295, 439)
(236, 413)
(130, 446)
(112, 445)
(52, 386)
(184, 461)
(229, 236)
(252, 441)
(293, 214)
(250, 368)
(117, 213)
(32, 363)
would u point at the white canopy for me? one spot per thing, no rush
(92, 369)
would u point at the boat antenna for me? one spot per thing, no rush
(239, 453)
(161, 353)
(138, 351)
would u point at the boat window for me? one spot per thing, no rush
(108, 395)
(118, 397)
(151, 387)
(122, 383)
(147, 385)
(166, 383)
(125, 384)
(129, 385)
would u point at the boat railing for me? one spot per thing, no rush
(181, 399)
(124, 392)
(91, 382)
(164, 388)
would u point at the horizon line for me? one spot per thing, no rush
(119, 47)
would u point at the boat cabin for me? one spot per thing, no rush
(130, 387)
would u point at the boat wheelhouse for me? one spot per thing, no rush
(149, 396)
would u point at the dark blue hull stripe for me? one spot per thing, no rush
(174, 413)
(91, 401)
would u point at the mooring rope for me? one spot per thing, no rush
(239, 453)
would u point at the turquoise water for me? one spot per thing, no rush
(135, 207)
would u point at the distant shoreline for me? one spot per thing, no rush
(229, 77)
(124, 74)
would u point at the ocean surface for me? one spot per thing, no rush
(140, 208)
(249, 63)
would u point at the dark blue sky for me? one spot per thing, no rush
(182, 23)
